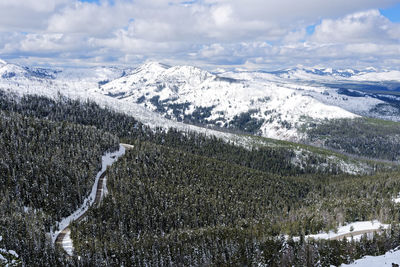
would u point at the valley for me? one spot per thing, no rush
(227, 168)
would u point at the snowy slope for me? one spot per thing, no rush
(390, 257)
(370, 74)
(304, 73)
(46, 81)
(186, 93)
(233, 98)
(267, 104)
(393, 75)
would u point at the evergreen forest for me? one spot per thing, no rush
(186, 199)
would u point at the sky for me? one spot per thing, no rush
(253, 34)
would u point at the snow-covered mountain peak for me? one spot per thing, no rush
(152, 78)
(272, 104)
(159, 71)
(189, 74)
(8, 71)
(251, 102)
(2, 62)
(151, 67)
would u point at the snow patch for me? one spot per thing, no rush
(392, 256)
(277, 105)
(393, 75)
(3, 260)
(397, 199)
(351, 228)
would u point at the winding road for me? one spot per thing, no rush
(63, 238)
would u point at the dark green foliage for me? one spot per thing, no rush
(199, 115)
(175, 208)
(245, 122)
(86, 113)
(268, 159)
(178, 109)
(141, 99)
(365, 137)
(103, 82)
(275, 160)
(24, 231)
(49, 166)
(47, 169)
(179, 199)
(159, 192)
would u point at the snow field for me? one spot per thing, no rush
(392, 256)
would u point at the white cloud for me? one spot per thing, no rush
(33, 5)
(266, 32)
(368, 26)
(91, 19)
(213, 50)
(222, 15)
(27, 15)
(295, 36)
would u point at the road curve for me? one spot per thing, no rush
(63, 238)
(99, 192)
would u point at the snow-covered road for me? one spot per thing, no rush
(62, 235)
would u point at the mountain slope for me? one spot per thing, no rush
(258, 103)
(183, 198)
(189, 94)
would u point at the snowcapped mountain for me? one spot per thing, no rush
(81, 84)
(369, 74)
(41, 80)
(271, 104)
(303, 73)
(233, 101)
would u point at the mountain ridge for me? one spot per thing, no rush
(260, 103)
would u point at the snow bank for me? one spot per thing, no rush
(107, 160)
(356, 226)
(392, 256)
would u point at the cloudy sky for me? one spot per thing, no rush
(264, 34)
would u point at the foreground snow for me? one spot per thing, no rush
(107, 160)
(392, 256)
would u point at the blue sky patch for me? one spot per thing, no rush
(393, 13)
(310, 29)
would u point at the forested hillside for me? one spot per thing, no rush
(168, 207)
(177, 198)
(365, 137)
(270, 157)
(47, 169)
